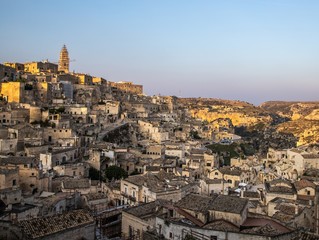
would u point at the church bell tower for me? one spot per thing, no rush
(64, 61)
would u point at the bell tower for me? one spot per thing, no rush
(64, 60)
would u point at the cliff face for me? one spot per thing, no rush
(303, 119)
(240, 113)
(297, 119)
(238, 117)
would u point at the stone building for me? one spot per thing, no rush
(37, 67)
(16, 66)
(31, 179)
(9, 177)
(13, 91)
(216, 217)
(64, 61)
(150, 187)
(280, 188)
(7, 72)
(138, 219)
(58, 157)
(128, 87)
(232, 175)
(10, 192)
(63, 137)
(84, 79)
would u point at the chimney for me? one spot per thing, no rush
(242, 190)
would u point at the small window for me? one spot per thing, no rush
(170, 235)
(14, 182)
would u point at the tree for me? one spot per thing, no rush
(115, 172)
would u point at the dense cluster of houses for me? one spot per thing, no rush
(56, 126)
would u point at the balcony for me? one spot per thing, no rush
(131, 198)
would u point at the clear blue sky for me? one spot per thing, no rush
(251, 50)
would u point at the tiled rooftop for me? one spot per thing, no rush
(76, 183)
(214, 181)
(18, 160)
(264, 226)
(4, 170)
(249, 194)
(41, 227)
(280, 186)
(222, 225)
(224, 203)
(303, 184)
(196, 202)
(230, 171)
(146, 209)
(310, 156)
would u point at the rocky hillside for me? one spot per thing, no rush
(240, 113)
(302, 119)
(295, 121)
(293, 110)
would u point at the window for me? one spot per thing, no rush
(213, 237)
(308, 192)
(133, 194)
(216, 173)
(14, 182)
(170, 235)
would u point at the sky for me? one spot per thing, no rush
(249, 50)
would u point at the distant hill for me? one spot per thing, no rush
(302, 119)
(240, 113)
(298, 119)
